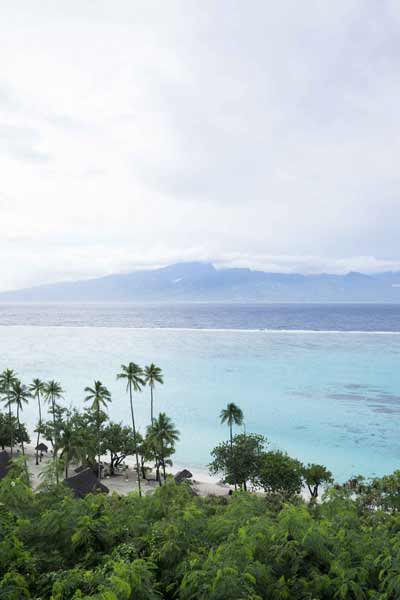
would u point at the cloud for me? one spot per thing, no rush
(140, 134)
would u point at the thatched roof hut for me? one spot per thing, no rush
(4, 463)
(84, 483)
(42, 447)
(183, 476)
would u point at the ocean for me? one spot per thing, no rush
(320, 381)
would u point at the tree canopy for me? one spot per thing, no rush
(173, 545)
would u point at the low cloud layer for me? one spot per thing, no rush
(136, 134)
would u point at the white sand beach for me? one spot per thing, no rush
(123, 483)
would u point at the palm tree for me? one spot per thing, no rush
(99, 396)
(152, 375)
(52, 392)
(7, 378)
(164, 435)
(232, 414)
(134, 377)
(37, 389)
(19, 395)
(71, 446)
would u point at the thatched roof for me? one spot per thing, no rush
(4, 463)
(85, 482)
(183, 475)
(42, 447)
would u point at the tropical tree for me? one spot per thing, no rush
(148, 453)
(72, 441)
(314, 476)
(280, 474)
(152, 375)
(9, 431)
(52, 392)
(117, 439)
(133, 374)
(7, 378)
(99, 396)
(85, 423)
(241, 465)
(37, 389)
(164, 435)
(4, 431)
(19, 395)
(231, 415)
(50, 474)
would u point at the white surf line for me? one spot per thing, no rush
(205, 329)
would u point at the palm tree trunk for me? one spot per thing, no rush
(11, 425)
(151, 392)
(233, 465)
(163, 460)
(142, 465)
(98, 442)
(40, 425)
(134, 439)
(158, 478)
(55, 439)
(20, 432)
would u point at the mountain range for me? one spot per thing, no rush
(203, 282)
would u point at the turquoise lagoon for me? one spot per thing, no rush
(329, 397)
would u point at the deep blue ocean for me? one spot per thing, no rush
(314, 317)
(320, 381)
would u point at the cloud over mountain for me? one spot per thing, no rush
(139, 134)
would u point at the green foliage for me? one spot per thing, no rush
(172, 545)
(117, 440)
(14, 586)
(232, 414)
(11, 431)
(162, 436)
(280, 474)
(315, 476)
(238, 461)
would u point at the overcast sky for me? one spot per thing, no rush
(136, 134)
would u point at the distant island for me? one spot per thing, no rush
(202, 282)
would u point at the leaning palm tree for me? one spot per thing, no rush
(98, 395)
(52, 392)
(19, 395)
(231, 415)
(37, 389)
(7, 378)
(134, 378)
(152, 375)
(163, 434)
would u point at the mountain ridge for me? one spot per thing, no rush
(201, 281)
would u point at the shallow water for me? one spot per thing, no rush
(324, 397)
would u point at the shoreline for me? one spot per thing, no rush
(203, 483)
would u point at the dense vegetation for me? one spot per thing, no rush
(172, 544)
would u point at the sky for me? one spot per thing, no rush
(136, 134)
